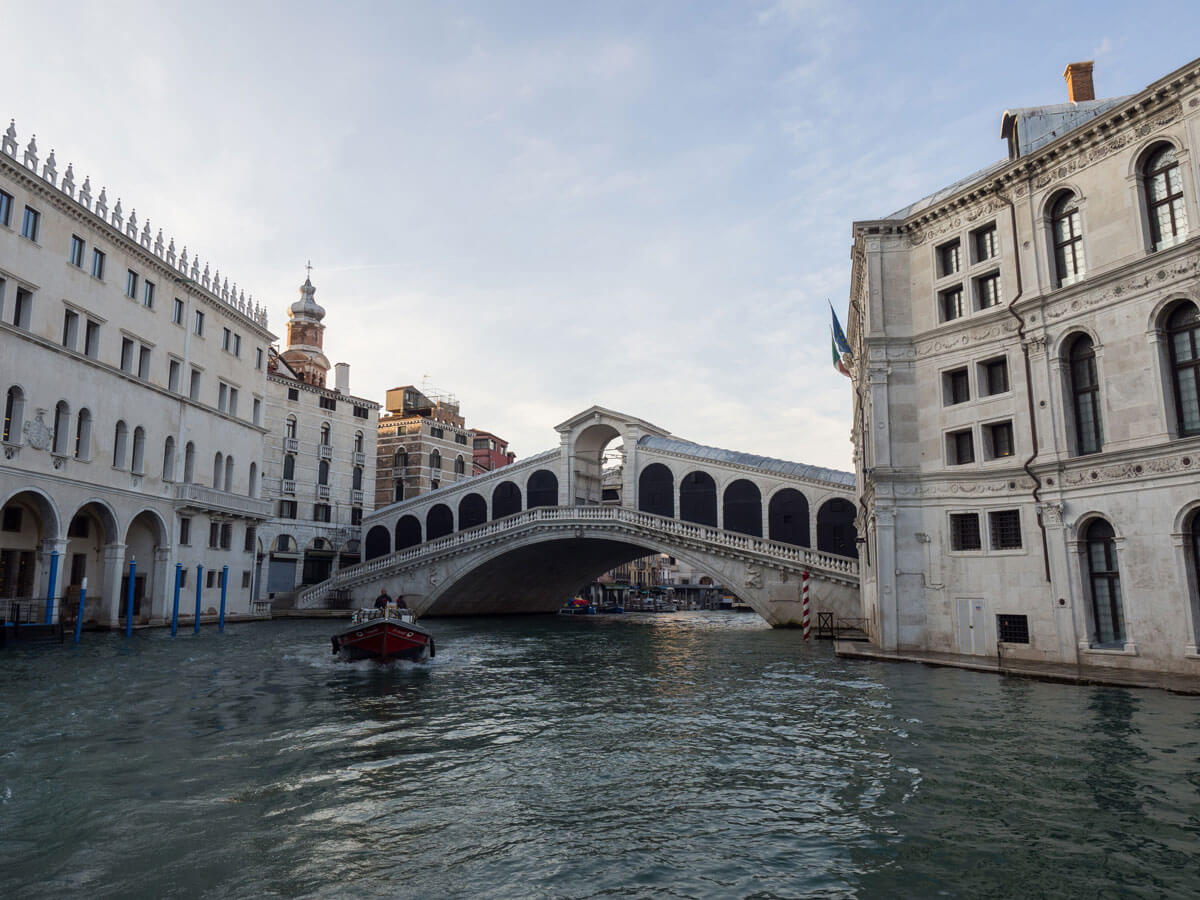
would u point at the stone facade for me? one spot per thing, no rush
(319, 462)
(1026, 432)
(134, 388)
(423, 444)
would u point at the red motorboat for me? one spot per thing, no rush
(384, 635)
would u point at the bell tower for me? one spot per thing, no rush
(306, 336)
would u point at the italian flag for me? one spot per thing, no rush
(838, 365)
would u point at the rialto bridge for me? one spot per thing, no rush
(525, 537)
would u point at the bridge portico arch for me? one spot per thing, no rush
(583, 439)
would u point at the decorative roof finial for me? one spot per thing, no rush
(10, 138)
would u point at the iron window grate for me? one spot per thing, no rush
(1013, 629)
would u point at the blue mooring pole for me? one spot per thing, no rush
(79, 615)
(175, 607)
(49, 618)
(129, 598)
(199, 582)
(224, 580)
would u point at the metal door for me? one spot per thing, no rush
(971, 626)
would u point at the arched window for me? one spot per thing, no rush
(1164, 197)
(1192, 532)
(83, 435)
(408, 532)
(1183, 334)
(1085, 395)
(229, 475)
(439, 522)
(218, 478)
(460, 466)
(656, 491)
(323, 472)
(189, 463)
(698, 499)
(742, 508)
(169, 459)
(472, 511)
(325, 432)
(252, 488)
(62, 427)
(289, 468)
(120, 438)
(356, 484)
(506, 500)
(1068, 240)
(835, 528)
(435, 461)
(541, 489)
(139, 451)
(1108, 619)
(400, 461)
(787, 517)
(291, 427)
(14, 414)
(358, 442)
(378, 543)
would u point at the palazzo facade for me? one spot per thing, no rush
(1026, 368)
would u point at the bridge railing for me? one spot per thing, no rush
(730, 540)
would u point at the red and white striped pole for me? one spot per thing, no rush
(804, 605)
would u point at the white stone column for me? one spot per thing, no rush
(566, 475)
(162, 590)
(114, 565)
(1063, 594)
(889, 606)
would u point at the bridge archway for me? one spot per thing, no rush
(472, 511)
(835, 528)
(541, 489)
(587, 460)
(787, 518)
(743, 508)
(439, 522)
(379, 542)
(698, 499)
(656, 491)
(408, 532)
(506, 500)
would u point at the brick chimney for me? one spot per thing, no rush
(1079, 81)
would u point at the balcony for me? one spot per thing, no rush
(197, 496)
(322, 492)
(324, 451)
(287, 486)
(291, 445)
(360, 458)
(356, 497)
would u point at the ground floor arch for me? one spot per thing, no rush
(408, 532)
(506, 500)
(835, 528)
(656, 490)
(742, 508)
(698, 498)
(378, 543)
(472, 511)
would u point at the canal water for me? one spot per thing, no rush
(680, 755)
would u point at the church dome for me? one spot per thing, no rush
(307, 306)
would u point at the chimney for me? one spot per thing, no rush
(341, 376)
(1079, 81)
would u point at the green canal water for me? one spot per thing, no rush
(684, 755)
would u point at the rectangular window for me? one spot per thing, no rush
(185, 530)
(6, 203)
(1005, 528)
(77, 246)
(183, 575)
(222, 396)
(174, 368)
(460, 439)
(258, 357)
(233, 401)
(948, 259)
(950, 305)
(226, 339)
(321, 512)
(214, 536)
(436, 432)
(144, 363)
(249, 539)
(1012, 629)
(22, 308)
(126, 355)
(293, 394)
(328, 403)
(955, 387)
(237, 345)
(998, 440)
(964, 531)
(287, 509)
(131, 284)
(31, 224)
(960, 448)
(993, 376)
(356, 515)
(98, 264)
(226, 536)
(257, 411)
(245, 578)
(361, 412)
(148, 294)
(212, 578)
(987, 291)
(198, 323)
(194, 387)
(177, 312)
(985, 243)
(70, 329)
(91, 339)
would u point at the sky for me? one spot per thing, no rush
(540, 206)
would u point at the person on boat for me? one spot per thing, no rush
(383, 599)
(399, 601)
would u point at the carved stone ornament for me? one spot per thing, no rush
(1128, 471)
(1184, 267)
(1134, 133)
(38, 433)
(966, 338)
(1052, 513)
(753, 577)
(435, 577)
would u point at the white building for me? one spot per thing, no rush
(1026, 375)
(134, 392)
(319, 459)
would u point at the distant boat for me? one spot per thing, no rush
(741, 606)
(577, 606)
(612, 609)
(725, 603)
(384, 635)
